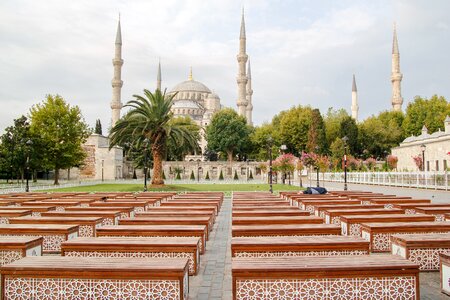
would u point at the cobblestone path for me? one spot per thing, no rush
(214, 278)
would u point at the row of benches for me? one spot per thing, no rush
(302, 257)
(116, 259)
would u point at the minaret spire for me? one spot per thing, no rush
(396, 76)
(158, 78)
(117, 82)
(242, 78)
(355, 107)
(249, 110)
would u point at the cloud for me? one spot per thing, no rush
(302, 52)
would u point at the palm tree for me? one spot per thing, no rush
(150, 118)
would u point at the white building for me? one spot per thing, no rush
(437, 149)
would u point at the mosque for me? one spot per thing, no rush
(196, 100)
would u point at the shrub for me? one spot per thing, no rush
(192, 175)
(235, 175)
(207, 175)
(251, 175)
(221, 175)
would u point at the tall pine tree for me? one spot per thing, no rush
(98, 127)
(317, 134)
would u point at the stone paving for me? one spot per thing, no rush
(214, 278)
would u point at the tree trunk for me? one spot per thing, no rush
(157, 167)
(56, 182)
(230, 156)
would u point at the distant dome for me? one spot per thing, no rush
(191, 86)
(186, 104)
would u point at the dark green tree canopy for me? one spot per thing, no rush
(317, 140)
(98, 127)
(228, 133)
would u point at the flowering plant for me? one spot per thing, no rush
(309, 159)
(418, 161)
(285, 162)
(370, 163)
(392, 161)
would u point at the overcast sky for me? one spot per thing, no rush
(302, 52)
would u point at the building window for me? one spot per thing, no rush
(445, 164)
(243, 171)
(258, 171)
(428, 165)
(437, 165)
(214, 171)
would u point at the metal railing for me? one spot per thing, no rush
(427, 180)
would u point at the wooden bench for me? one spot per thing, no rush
(193, 204)
(256, 208)
(125, 212)
(136, 247)
(155, 220)
(298, 246)
(87, 225)
(272, 220)
(109, 217)
(308, 205)
(65, 277)
(445, 272)
(5, 215)
(422, 249)
(53, 235)
(333, 216)
(183, 208)
(351, 224)
(83, 202)
(60, 205)
(319, 210)
(35, 210)
(410, 208)
(15, 248)
(178, 213)
(269, 212)
(198, 231)
(138, 206)
(325, 277)
(437, 212)
(389, 203)
(285, 230)
(379, 234)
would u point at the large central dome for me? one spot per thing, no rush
(191, 86)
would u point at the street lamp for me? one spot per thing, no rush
(27, 186)
(345, 140)
(145, 164)
(423, 147)
(103, 166)
(317, 166)
(198, 170)
(269, 144)
(283, 149)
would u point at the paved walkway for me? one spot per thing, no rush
(214, 278)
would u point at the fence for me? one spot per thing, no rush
(426, 180)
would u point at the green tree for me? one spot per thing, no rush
(62, 131)
(207, 175)
(192, 175)
(259, 138)
(150, 118)
(317, 134)
(294, 127)
(429, 112)
(337, 150)
(349, 129)
(98, 127)
(221, 175)
(228, 132)
(378, 134)
(332, 122)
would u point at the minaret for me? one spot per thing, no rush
(249, 110)
(396, 76)
(158, 78)
(116, 82)
(355, 106)
(242, 78)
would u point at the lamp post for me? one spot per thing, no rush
(283, 149)
(317, 166)
(145, 164)
(198, 170)
(27, 165)
(345, 139)
(423, 147)
(103, 166)
(269, 144)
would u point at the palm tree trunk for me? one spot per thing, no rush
(157, 166)
(230, 156)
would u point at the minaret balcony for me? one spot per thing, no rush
(116, 83)
(117, 62)
(396, 76)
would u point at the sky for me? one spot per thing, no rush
(302, 52)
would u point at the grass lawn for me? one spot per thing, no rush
(178, 187)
